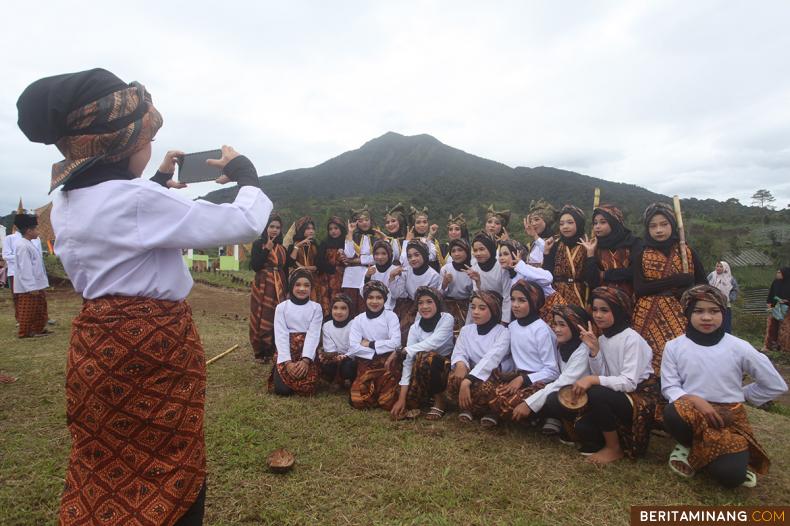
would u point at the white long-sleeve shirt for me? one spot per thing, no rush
(354, 276)
(411, 281)
(124, 238)
(536, 251)
(394, 285)
(715, 373)
(336, 339)
(440, 341)
(496, 280)
(482, 353)
(573, 370)
(383, 331)
(530, 274)
(623, 361)
(533, 349)
(30, 274)
(291, 318)
(461, 287)
(9, 251)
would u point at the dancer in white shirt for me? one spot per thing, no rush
(337, 367)
(702, 378)
(30, 280)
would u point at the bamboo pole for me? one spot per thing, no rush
(223, 353)
(596, 202)
(682, 233)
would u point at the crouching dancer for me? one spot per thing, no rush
(702, 378)
(135, 352)
(297, 331)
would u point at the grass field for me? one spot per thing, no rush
(352, 467)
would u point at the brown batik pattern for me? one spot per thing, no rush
(331, 284)
(135, 394)
(375, 385)
(568, 265)
(31, 311)
(709, 443)
(301, 386)
(268, 289)
(423, 367)
(660, 318)
(307, 256)
(619, 258)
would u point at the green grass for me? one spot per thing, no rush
(352, 467)
(239, 280)
(754, 277)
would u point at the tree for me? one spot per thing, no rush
(763, 198)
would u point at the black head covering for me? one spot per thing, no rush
(371, 286)
(689, 300)
(621, 304)
(381, 243)
(494, 302)
(535, 298)
(574, 316)
(429, 324)
(422, 248)
(490, 245)
(23, 222)
(399, 213)
(784, 287)
(334, 242)
(578, 217)
(341, 298)
(301, 226)
(292, 278)
(274, 216)
(464, 245)
(620, 236)
(667, 211)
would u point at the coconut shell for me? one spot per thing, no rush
(280, 460)
(565, 396)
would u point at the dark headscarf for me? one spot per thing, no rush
(380, 243)
(666, 210)
(620, 236)
(422, 248)
(494, 302)
(341, 298)
(23, 222)
(335, 242)
(464, 245)
(513, 247)
(358, 232)
(574, 316)
(490, 245)
(459, 220)
(377, 286)
(578, 217)
(622, 307)
(429, 324)
(274, 216)
(301, 226)
(689, 300)
(535, 298)
(292, 278)
(93, 117)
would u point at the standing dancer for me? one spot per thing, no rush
(268, 287)
(120, 240)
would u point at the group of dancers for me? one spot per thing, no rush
(492, 326)
(498, 329)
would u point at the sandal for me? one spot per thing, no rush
(681, 455)
(751, 479)
(434, 413)
(489, 421)
(465, 417)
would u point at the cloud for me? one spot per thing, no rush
(687, 98)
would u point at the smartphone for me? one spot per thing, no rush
(192, 167)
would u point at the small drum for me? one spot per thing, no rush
(566, 399)
(280, 460)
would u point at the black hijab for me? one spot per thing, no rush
(490, 245)
(574, 316)
(422, 248)
(620, 236)
(578, 217)
(463, 244)
(429, 324)
(665, 210)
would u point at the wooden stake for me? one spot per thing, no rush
(223, 353)
(682, 233)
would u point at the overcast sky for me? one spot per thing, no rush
(680, 97)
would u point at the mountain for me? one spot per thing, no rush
(422, 171)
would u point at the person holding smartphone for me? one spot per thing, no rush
(135, 351)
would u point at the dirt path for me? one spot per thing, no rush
(223, 302)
